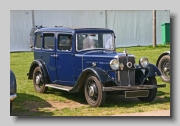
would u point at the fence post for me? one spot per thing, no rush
(154, 28)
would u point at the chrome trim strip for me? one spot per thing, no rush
(129, 79)
(138, 87)
(57, 87)
(128, 70)
(13, 96)
(118, 78)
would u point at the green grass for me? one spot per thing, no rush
(146, 51)
(31, 103)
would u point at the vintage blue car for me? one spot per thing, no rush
(13, 88)
(85, 59)
(163, 63)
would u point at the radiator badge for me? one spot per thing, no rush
(129, 64)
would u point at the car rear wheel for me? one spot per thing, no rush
(39, 85)
(164, 67)
(152, 92)
(93, 91)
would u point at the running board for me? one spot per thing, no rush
(61, 87)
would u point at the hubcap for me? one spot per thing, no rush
(38, 79)
(91, 90)
(166, 69)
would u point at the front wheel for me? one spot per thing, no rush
(152, 92)
(39, 85)
(93, 91)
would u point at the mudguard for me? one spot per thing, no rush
(153, 71)
(33, 65)
(101, 75)
(150, 71)
(165, 53)
(13, 85)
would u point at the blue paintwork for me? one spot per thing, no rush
(65, 66)
(153, 71)
(43, 68)
(102, 59)
(69, 67)
(102, 75)
(13, 84)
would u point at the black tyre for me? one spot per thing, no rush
(39, 85)
(93, 91)
(164, 67)
(10, 106)
(152, 92)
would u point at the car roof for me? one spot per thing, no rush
(72, 29)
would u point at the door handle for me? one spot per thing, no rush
(54, 55)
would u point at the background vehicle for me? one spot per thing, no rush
(163, 64)
(31, 42)
(96, 70)
(13, 88)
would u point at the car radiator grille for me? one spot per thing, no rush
(126, 77)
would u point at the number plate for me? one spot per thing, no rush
(139, 93)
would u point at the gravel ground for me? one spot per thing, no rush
(152, 113)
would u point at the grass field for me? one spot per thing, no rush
(61, 103)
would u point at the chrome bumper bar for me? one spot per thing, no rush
(128, 88)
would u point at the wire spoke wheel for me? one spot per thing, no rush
(164, 67)
(93, 91)
(39, 85)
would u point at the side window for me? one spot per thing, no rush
(108, 41)
(38, 42)
(48, 41)
(65, 42)
(80, 41)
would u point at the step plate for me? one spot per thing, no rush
(61, 87)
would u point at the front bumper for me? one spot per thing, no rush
(133, 88)
(12, 97)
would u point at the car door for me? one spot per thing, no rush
(48, 55)
(65, 60)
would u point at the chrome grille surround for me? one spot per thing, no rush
(126, 76)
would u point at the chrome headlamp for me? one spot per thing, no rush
(114, 64)
(144, 62)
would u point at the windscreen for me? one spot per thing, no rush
(88, 41)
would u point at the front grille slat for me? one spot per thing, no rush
(123, 77)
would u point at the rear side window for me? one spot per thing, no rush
(65, 42)
(48, 41)
(38, 42)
